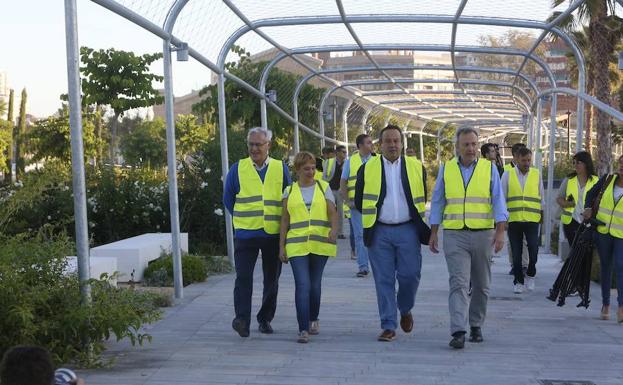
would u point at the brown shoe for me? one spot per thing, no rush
(387, 335)
(406, 322)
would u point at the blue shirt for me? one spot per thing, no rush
(438, 202)
(232, 188)
(346, 168)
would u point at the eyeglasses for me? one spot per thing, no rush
(257, 145)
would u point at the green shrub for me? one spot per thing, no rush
(41, 305)
(160, 271)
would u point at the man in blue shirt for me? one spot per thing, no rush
(470, 236)
(249, 241)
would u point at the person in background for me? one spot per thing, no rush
(468, 200)
(252, 194)
(609, 238)
(28, 365)
(318, 174)
(525, 259)
(489, 151)
(328, 152)
(347, 189)
(572, 193)
(391, 195)
(523, 189)
(410, 152)
(307, 239)
(332, 173)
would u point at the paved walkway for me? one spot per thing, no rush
(527, 338)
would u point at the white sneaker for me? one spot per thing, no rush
(530, 283)
(518, 288)
(314, 327)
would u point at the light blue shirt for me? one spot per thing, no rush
(438, 203)
(346, 167)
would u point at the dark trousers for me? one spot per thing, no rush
(570, 230)
(307, 271)
(516, 233)
(245, 256)
(610, 249)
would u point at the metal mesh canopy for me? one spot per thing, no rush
(491, 64)
(479, 62)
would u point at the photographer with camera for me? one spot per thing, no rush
(491, 151)
(32, 365)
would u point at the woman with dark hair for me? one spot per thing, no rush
(572, 192)
(609, 237)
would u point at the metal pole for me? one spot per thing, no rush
(77, 150)
(550, 177)
(538, 153)
(349, 102)
(222, 123)
(172, 172)
(263, 113)
(295, 111)
(422, 145)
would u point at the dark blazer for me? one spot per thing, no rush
(422, 228)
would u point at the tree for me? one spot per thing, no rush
(10, 121)
(243, 108)
(18, 135)
(118, 79)
(146, 145)
(5, 144)
(51, 138)
(606, 29)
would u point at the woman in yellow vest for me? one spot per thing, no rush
(307, 239)
(572, 192)
(609, 238)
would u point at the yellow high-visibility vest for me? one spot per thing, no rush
(524, 205)
(372, 188)
(258, 205)
(468, 207)
(318, 175)
(509, 167)
(355, 163)
(328, 169)
(309, 229)
(611, 213)
(572, 189)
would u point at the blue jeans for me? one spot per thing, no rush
(245, 257)
(610, 248)
(360, 249)
(307, 272)
(395, 254)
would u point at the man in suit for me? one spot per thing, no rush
(390, 193)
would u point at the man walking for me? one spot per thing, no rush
(523, 189)
(390, 194)
(332, 173)
(469, 202)
(347, 189)
(252, 194)
(524, 252)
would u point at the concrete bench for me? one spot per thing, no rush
(98, 267)
(134, 254)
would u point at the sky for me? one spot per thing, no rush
(32, 52)
(33, 55)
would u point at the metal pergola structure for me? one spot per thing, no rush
(496, 99)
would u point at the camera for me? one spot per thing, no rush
(64, 376)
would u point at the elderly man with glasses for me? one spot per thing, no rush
(252, 194)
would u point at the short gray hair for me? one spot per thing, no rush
(260, 130)
(462, 130)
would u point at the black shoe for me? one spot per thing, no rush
(458, 340)
(362, 273)
(475, 335)
(264, 327)
(241, 326)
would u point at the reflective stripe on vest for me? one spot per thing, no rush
(308, 231)
(258, 205)
(611, 213)
(572, 189)
(469, 206)
(372, 188)
(328, 169)
(524, 205)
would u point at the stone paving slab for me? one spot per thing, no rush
(527, 338)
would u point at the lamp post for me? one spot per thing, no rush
(568, 137)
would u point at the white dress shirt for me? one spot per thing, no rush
(395, 208)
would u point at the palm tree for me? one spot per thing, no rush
(605, 30)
